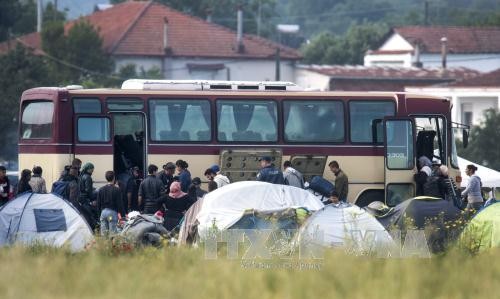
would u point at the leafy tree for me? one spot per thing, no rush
(77, 55)
(16, 18)
(84, 49)
(484, 147)
(327, 48)
(20, 69)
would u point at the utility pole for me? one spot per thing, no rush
(39, 12)
(426, 13)
(259, 17)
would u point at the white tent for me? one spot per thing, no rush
(345, 226)
(225, 206)
(489, 177)
(33, 218)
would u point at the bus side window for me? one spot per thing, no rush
(180, 120)
(36, 121)
(314, 121)
(247, 121)
(362, 115)
(93, 129)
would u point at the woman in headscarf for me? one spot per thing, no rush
(23, 185)
(424, 171)
(176, 203)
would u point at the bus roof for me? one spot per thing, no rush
(105, 91)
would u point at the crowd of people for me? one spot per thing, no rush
(167, 193)
(432, 180)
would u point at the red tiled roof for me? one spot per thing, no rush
(491, 79)
(392, 73)
(31, 41)
(136, 28)
(460, 39)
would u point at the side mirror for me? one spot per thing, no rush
(465, 136)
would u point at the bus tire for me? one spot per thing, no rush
(369, 196)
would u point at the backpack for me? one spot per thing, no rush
(322, 186)
(61, 188)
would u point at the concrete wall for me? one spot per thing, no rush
(235, 69)
(312, 80)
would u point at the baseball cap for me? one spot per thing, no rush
(265, 158)
(215, 168)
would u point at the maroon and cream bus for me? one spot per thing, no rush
(375, 136)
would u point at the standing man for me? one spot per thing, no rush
(4, 186)
(341, 181)
(150, 189)
(269, 173)
(292, 176)
(109, 204)
(167, 175)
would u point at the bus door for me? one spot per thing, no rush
(399, 161)
(129, 140)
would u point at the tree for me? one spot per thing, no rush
(20, 69)
(76, 56)
(350, 48)
(16, 18)
(484, 147)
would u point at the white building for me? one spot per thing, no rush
(470, 97)
(470, 47)
(151, 35)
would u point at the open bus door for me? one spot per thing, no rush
(399, 160)
(129, 141)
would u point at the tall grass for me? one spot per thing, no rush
(42, 272)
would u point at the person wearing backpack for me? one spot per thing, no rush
(293, 176)
(68, 186)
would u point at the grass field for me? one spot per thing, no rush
(184, 273)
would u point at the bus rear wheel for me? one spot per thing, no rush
(370, 196)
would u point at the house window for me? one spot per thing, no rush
(467, 118)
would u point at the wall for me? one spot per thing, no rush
(475, 100)
(312, 80)
(236, 69)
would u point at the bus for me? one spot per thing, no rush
(376, 137)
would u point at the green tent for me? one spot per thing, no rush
(483, 231)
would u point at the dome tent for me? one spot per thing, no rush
(483, 231)
(33, 218)
(348, 227)
(225, 206)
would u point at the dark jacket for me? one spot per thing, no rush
(166, 179)
(185, 180)
(435, 186)
(23, 186)
(342, 185)
(72, 192)
(110, 197)
(86, 188)
(420, 180)
(176, 207)
(271, 175)
(150, 190)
